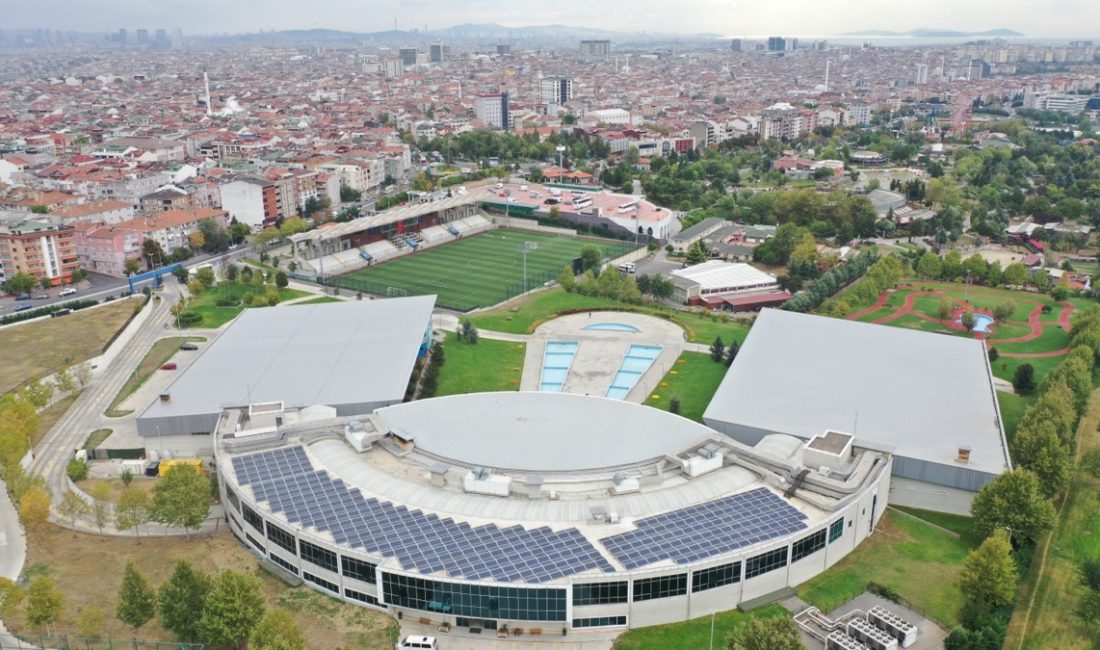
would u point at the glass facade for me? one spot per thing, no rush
(836, 530)
(660, 587)
(357, 569)
(233, 500)
(600, 621)
(252, 540)
(599, 593)
(765, 562)
(808, 545)
(320, 582)
(716, 576)
(281, 538)
(361, 597)
(283, 563)
(323, 558)
(252, 518)
(479, 601)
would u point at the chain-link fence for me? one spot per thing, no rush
(83, 643)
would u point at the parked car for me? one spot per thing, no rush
(60, 312)
(418, 642)
(41, 296)
(67, 292)
(189, 347)
(168, 366)
(22, 308)
(23, 296)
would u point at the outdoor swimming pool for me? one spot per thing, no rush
(556, 360)
(638, 359)
(982, 323)
(613, 327)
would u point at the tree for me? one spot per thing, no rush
(1039, 447)
(1014, 501)
(717, 349)
(34, 509)
(214, 235)
(181, 274)
(181, 498)
(72, 506)
(89, 623)
(20, 283)
(180, 601)
(1003, 311)
(967, 320)
(930, 266)
(197, 240)
(591, 257)
(132, 509)
(731, 352)
(988, 577)
(276, 631)
(674, 405)
(566, 278)
(238, 231)
(43, 603)
(101, 507)
(945, 308)
(37, 393)
(697, 253)
(777, 633)
(1015, 275)
(281, 280)
(1023, 379)
(232, 609)
(82, 373)
(205, 275)
(137, 602)
(76, 470)
(132, 266)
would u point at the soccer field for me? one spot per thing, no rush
(477, 271)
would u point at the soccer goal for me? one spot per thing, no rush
(396, 292)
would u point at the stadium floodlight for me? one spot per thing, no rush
(526, 248)
(560, 149)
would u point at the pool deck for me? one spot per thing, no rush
(601, 352)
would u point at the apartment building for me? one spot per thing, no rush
(172, 229)
(781, 121)
(492, 109)
(597, 49)
(250, 200)
(556, 90)
(105, 248)
(38, 245)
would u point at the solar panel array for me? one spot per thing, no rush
(426, 543)
(704, 530)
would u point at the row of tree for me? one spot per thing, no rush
(608, 284)
(953, 268)
(878, 275)
(22, 282)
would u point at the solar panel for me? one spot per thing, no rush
(426, 543)
(704, 530)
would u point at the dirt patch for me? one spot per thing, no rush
(88, 569)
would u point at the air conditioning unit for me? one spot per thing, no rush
(480, 481)
(624, 485)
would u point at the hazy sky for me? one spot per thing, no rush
(1049, 18)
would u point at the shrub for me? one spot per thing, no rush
(1023, 380)
(77, 469)
(189, 318)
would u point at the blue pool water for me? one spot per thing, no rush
(638, 359)
(556, 360)
(982, 323)
(613, 327)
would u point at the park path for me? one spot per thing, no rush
(1033, 321)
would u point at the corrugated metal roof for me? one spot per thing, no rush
(332, 354)
(541, 432)
(919, 393)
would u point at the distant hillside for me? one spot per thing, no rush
(937, 33)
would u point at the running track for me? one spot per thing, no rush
(1032, 321)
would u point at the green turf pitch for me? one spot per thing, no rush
(477, 271)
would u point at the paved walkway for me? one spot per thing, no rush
(13, 550)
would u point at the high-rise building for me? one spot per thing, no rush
(556, 90)
(394, 68)
(504, 50)
(177, 39)
(922, 74)
(776, 43)
(736, 45)
(408, 55)
(436, 52)
(162, 42)
(122, 35)
(492, 109)
(38, 245)
(143, 37)
(977, 70)
(599, 49)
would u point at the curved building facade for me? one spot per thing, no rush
(543, 510)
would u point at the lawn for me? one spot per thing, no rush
(524, 314)
(477, 271)
(88, 570)
(156, 357)
(1051, 338)
(914, 559)
(213, 316)
(49, 416)
(43, 347)
(1005, 367)
(487, 366)
(1045, 615)
(1012, 409)
(319, 300)
(115, 486)
(97, 438)
(694, 379)
(694, 633)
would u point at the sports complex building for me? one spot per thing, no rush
(545, 511)
(926, 398)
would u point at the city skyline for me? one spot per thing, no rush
(1060, 19)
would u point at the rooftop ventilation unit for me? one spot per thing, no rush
(894, 625)
(704, 460)
(838, 640)
(624, 485)
(480, 481)
(871, 636)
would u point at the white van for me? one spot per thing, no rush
(418, 642)
(68, 291)
(627, 267)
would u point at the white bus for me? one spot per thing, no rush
(627, 207)
(582, 202)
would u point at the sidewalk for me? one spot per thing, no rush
(13, 551)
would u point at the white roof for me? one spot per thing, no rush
(717, 273)
(922, 394)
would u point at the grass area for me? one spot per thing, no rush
(522, 315)
(319, 300)
(88, 569)
(1005, 367)
(916, 560)
(487, 366)
(116, 486)
(49, 416)
(871, 317)
(1051, 338)
(694, 379)
(159, 355)
(1045, 615)
(960, 524)
(1012, 409)
(206, 304)
(46, 346)
(477, 271)
(97, 438)
(694, 633)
